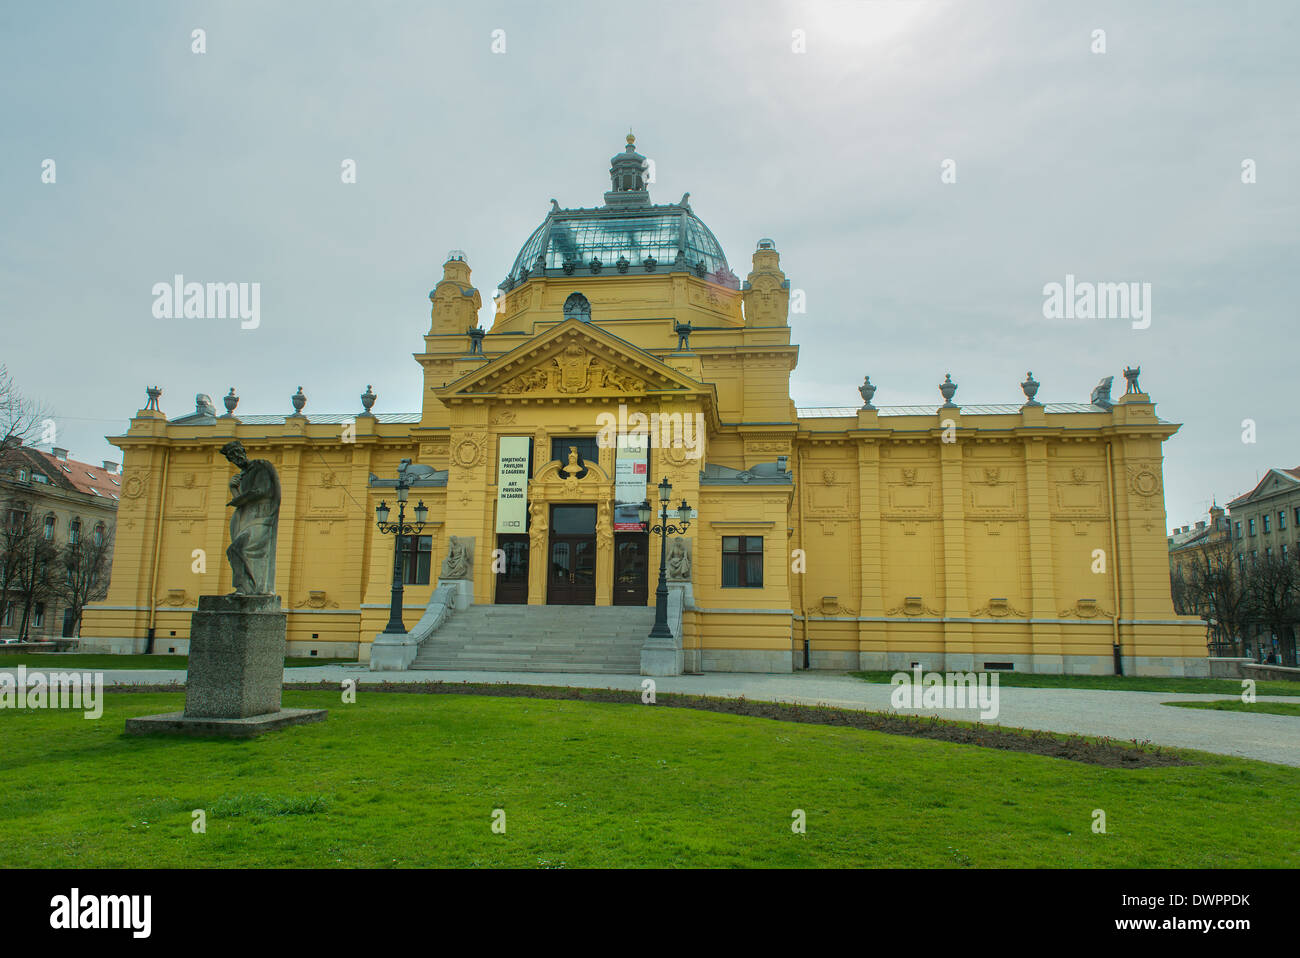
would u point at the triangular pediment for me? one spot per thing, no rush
(1274, 481)
(572, 359)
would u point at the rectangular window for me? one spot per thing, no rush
(417, 555)
(1250, 526)
(1281, 519)
(1268, 522)
(1238, 530)
(742, 562)
(9, 614)
(1284, 552)
(38, 619)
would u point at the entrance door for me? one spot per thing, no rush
(631, 562)
(512, 581)
(571, 569)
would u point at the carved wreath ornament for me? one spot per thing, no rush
(468, 452)
(1143, 480)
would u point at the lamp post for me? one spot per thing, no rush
(399, 529)
(664, 530)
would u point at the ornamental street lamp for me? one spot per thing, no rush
(399, 529)
(664, 530)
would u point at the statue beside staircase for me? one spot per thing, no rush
(455, 590)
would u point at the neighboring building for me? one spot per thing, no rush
(1188, 542)
(66, 500)
(1190, 548)
(1016, 535)
(1266, 522)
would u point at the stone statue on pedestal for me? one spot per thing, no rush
(235, 674)
(255, 496)
(679, 561)
(458, 562)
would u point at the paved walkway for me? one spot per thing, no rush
(1120, 715)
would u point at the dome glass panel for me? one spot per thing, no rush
(578, 236)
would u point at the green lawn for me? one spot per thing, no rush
(401, 779)
(86, 661)
(1124, 683)
(1237, 705)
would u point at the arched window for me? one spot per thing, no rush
(577, 307)
(48, 529)
(99, 534)
(74, 531)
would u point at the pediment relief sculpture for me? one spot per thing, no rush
(574, 371)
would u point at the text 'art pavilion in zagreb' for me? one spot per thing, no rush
(625, 352)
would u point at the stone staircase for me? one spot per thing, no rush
(539, 638)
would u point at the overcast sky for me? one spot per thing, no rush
(1122, 166)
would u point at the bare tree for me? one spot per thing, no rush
(26, 565)
(1215, 589)
(1180, 591)
(1273, 599)
(21, 419)
(84, 567)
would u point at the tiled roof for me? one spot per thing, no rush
(995, 409)
(81, 476)
(326, 418)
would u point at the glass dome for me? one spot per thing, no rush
(627, 235)
(635, 235)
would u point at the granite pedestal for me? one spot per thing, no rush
(236, 672)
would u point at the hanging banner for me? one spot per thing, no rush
(630, 473)
(512, 484)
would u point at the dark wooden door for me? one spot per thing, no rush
(571, 573)
(631, 568)
(512, 580)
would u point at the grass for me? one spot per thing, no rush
(1237, 705)
(1117, 683)
(88, 661)
(408, 780)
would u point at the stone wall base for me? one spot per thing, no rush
(840, 661)
(1032, 664)
(746, 660)
(1227, 667)
(120, 646)
(1284, 673)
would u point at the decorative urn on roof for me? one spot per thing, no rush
(948, 389)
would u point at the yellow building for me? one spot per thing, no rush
(1021, 536)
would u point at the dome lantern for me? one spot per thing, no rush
(627, 236)
(627, 178)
